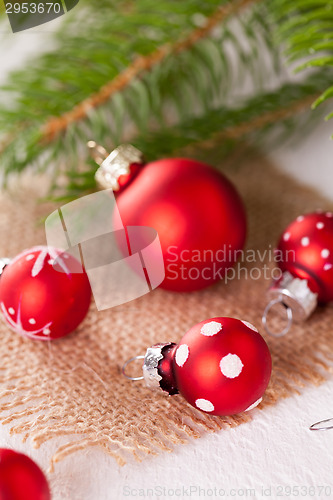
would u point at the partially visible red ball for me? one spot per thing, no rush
(21, 478)
(222, 366)
(306, 248)
(198, 214)
(42, 301)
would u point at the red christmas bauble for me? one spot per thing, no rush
(198, 214)
(306, 248)
(222, 366)
(21, 478)
(44, 294)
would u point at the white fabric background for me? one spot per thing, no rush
(274, 451)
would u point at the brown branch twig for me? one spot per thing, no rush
(239, 131)
(56, 125)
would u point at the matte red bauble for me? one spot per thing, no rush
(305, 255)
(197, 212)
(21, 478)
(41, 295)
(309, 243)
(221, 366)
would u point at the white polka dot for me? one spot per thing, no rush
(211, 328)
(231, 366)
(305, 241)
(328, 266)
(32, 321)
(300, 218)
(256, 403)
(329, 214)
(66, 256)
(46, 331)
(249, 325)
(286, 237)
(325, 253)
(320, 225)
(204, 405)
(182, 354)
(11, 310)
(30, 256)
(51, 261)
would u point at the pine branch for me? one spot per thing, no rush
(260, 114)
(142, 63)
(306, 29)
(253, 122)
(164, 75)
(189, 80)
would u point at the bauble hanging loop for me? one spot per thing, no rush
(221, 366)
(288, 311)
(306, 262)
(322, 425)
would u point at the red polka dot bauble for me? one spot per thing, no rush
(196, 211)
(305, 257)
(44, 294)
(21, 478)
(307, 252)
(221, 366)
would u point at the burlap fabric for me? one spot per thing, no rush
(74, 387)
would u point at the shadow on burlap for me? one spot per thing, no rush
(73, 387)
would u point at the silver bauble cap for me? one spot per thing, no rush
(116, 164)
(150, 365)
(296, 294)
